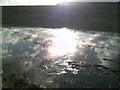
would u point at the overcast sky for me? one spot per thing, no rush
(46, 2)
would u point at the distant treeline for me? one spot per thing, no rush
(83, 15)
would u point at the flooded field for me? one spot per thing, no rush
(61, 57)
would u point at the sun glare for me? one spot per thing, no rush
(63, 42)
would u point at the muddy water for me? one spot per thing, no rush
(62, 57)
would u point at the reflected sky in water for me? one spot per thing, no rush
(53, 57)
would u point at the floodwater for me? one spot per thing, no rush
(61, 57)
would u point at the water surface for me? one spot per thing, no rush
(62, 57)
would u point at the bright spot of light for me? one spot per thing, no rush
(63, 42)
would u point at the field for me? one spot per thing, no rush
(91, 16)
(62, 46)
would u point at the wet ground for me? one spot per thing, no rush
(62, 57)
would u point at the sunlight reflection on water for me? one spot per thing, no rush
(63, 42)
(50, 53)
